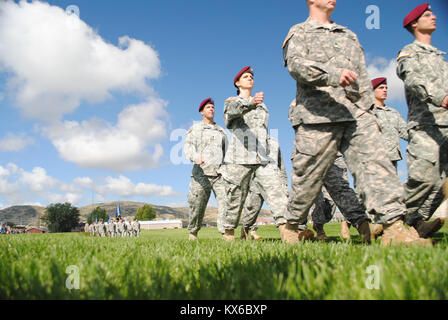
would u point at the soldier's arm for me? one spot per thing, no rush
(236, 107)
(411, 71)
(402, 127)
(282, 168)
(225, 144)
(365, 85)
(303, 68)
(190, 146)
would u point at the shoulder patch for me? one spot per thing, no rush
(230, 99)
(403, 54)
(289, 36)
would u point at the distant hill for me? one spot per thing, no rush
(28, 215)
(22, 215)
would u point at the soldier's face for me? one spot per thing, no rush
(324, 5)
(246, 81)
(427, 22)
(381, 92)
(208, 111)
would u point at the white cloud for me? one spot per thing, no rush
(15, 142)
(37, 180)
(20, 187)
(381, 67)
(124, 187)
(57, 61)
(121, 147)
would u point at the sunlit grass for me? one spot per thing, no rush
(163, 264)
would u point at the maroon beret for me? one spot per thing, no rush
(415, 14)
(205, 102)
(376, 82)
(244, 70)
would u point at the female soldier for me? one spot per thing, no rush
(247, 159)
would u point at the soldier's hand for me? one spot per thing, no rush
(445, 102)
(199, 160)
(259, 97)
(347, 77)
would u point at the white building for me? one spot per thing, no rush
(161, 224)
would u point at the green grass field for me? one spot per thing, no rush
(164, 265)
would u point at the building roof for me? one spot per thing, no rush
(160, 222)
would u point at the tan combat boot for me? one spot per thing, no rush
(244, 233)
(396, 234)
(321, 236)
(427, 229)
(289, 233)
(255, 236)
(369, 231)
(305, 235)
(193, 236)
(229, 235)
(345, 230)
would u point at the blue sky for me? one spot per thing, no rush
(85, 116)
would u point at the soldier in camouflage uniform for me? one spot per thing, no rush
(247, 159)
(136, 227)
(205, 146)
(391, 123)
(392, 127)
(424, 71)
(121, 228)
(254, 201)
(102, 229)
(334, 96)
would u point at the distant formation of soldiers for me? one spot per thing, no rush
(114, 228)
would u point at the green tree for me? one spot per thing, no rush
(61, 217)
(10, 224)
(146, 213)
(97, 213)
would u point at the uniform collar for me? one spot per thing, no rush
(208, 125)
(314, 24)
(428, 47)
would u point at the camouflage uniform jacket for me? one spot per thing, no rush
(315, 55)
(208, 141)
(276, 164)
(248, 123)
(424, 71)
(392, 127)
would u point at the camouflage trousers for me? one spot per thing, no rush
(252, 207)
(201, 187)
(427, 160)
(337, 192)
(376, 180)
(238, 178)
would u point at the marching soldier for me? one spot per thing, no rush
(205, 146)
(424, 71)
(121, 228)
(334, 96)
(102, 229)
(129, 232)
(136, 227)
(247, 157)
(391, 123)
(254, 201)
